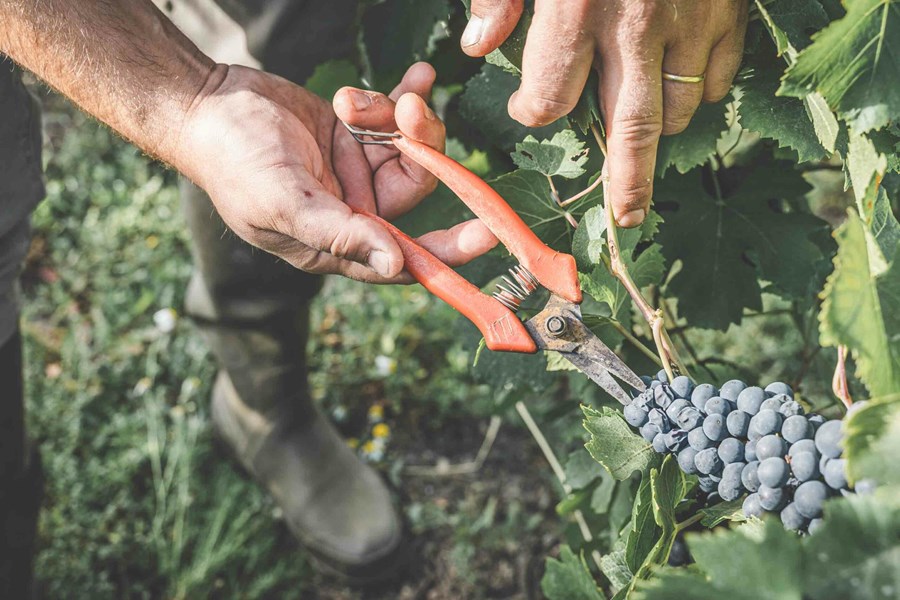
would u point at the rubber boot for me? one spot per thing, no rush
(254, 311)
(21, 479)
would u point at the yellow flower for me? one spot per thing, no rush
(369, 447)
(376, 413)
(353, 443)
(381, 430)
(152, 241)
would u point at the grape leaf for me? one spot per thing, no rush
(859, 310)
(872, 440)
(668, 487)
(529, 194)
(564, 155)
(883, 233)
(581, 470)
(721, 512)
(779, 118)
(732, 240)
(863, 164)
(789, 22)
(643, 531)
(602, 496)
(614, 445)
(331, 76)
(693, 146)
(569, 578)
(590, 238)
(856, 552)
(615, 569)
(854, 63)
(483, 104)
(396, 33)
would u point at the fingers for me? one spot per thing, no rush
(459, 244)
(490, 24)
(681, 99)
(724, 62)
(555, 65)
(631, 93)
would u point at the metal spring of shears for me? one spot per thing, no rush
(516, 288)
(382, 138)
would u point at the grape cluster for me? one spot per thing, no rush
(746, 440)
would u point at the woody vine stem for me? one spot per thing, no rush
(653, 316)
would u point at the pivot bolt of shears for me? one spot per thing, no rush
(556, 326)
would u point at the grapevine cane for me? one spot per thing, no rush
(619, 270)
(839, 382)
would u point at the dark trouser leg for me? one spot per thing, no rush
(254, 310)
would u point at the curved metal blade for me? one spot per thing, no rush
(559, 328)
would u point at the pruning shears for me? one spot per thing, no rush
(558, 327)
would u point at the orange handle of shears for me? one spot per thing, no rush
(554, 270)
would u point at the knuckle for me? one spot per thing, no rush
(637, 136)
(715, 92)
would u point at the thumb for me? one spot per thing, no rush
(490, 24)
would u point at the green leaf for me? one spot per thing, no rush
(789, 22)
(331, 76)
(602, 496)
(590, 238)
(854, 64)
(615, 569)
(693, 146)
(564, 155)
(872, 440)
(581, 470)
(529, 194)
(721, 512)
(859, 310)
(864, 163)
(643, 531)
(778, 118)
(397, 33)
(569, 578)
(483, 104)
(734, 240)
(883, 233)
(669, 486)
(614, 445)
(856, 552)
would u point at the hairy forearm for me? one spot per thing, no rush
(122, 61)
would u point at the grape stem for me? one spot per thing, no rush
(839, 382)
(560, 473)
(654, 317)
(688, 522)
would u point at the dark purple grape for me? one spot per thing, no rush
(663, 396)
(750, 399)
(731, 389)
(717, 406)
(773, 472)
(780, 388)
(659, 418)
(773, 403)
(649, 431)
(805, 466)
(771, 499)
(731, 450)
(791, 408)
(751, 506)
(635, 415)
(682, 386)
(828, 439)
(708, 462)
(659, 443)
(835, 474)
(647, 380)
(750, 450)
(698, 440)
(814, 524)
(674, 408)
(816, 421)
(792, 519)
(803, 446)
(714, 427)
(738, 423)
(809, 498)
(689, 418)
(701, 394)
(707, 484)
(769, 446)
(765, 422)
(686, 460)
(750, 476)
(731, 488)
(661, 376)
(675, 440)
(796, 428)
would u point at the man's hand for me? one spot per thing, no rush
(633, 42)
(283, 171)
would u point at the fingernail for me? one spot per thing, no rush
(360, 100)
(429, 114)
(633, 218)
(472, 34)
(379, 262)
